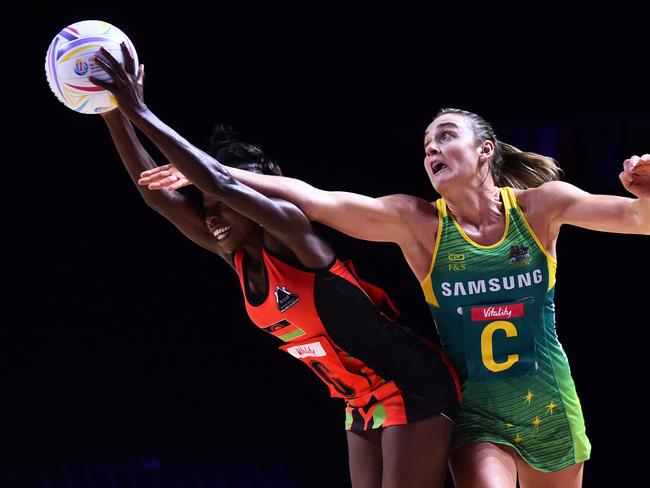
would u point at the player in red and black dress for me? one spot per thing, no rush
(400, 395)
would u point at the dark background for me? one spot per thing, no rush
(127, 357)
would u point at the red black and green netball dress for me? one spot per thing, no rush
(326, 320)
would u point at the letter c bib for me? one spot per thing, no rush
(499, 341)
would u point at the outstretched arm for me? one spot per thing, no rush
(185, 213)
(282, 220)
(133, 155)
(408, 221)
(384, 219)
(567, 204)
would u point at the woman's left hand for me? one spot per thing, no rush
(636, 175)
(127, 84)
(163, 178)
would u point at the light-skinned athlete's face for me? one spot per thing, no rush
(231, 229)
(452, 155)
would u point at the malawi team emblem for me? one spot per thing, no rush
(285, 299)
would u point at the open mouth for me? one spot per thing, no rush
(438, 167)
(221, 232)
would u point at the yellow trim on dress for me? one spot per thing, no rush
(508, 197)
(426, 284)
(550, 260)
(506, 205)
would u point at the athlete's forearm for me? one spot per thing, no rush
(204, 171)
(642, 210)
(133, 155)
(298, 192)
(373, 219)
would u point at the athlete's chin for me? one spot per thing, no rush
(230, 249)
(441, 183)
(230, 244)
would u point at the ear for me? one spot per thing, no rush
(486, 150)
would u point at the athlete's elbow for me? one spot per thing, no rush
(318, 205)
(215, 182)
(156, 201)
(640, 217)
(311, 210)
(644, 226)
(218, 187)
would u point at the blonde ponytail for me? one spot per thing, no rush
(510, 166)
(521, 169)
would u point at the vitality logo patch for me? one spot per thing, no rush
(497, 312)
(313, 349)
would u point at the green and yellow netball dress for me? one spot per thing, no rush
(493, 308)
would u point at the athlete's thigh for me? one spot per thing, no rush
(415, 455)
(570, 477)
(484, 465)
(364, 454)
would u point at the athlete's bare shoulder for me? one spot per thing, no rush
(544, 198)
(408, 206)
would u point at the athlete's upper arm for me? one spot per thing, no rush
(280, 218)
(568, 204)
(383, 219)
(187, 215)
(374, 219)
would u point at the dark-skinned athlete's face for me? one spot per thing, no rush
(231, 229)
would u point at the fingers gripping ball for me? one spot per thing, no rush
(69, 62)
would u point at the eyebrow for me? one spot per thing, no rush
(444, 125)
(448, 124)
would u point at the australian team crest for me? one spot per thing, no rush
(519, 255)
(284, 298)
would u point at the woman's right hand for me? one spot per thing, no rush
(636, 176)
(126, 83)
(163, 177)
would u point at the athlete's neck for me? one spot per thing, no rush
(478, 207)
(253, 247)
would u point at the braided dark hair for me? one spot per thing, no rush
(226, 148)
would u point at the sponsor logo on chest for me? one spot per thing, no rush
(456, 262)
(480, 314)
(313, 349)
(284, 298)
(491, 285)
